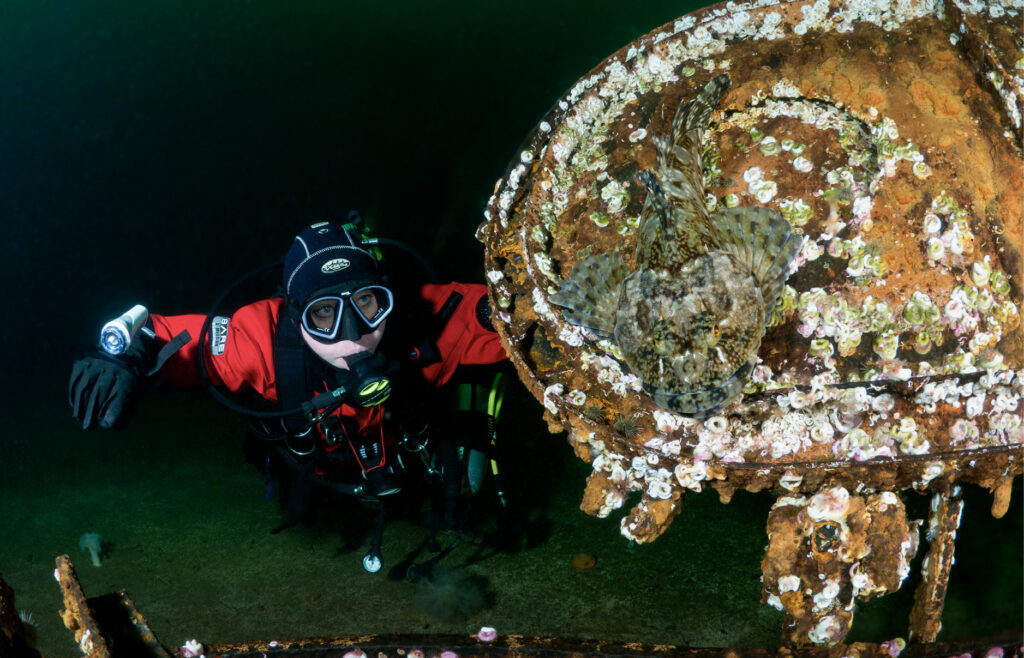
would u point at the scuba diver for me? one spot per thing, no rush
(341, 379)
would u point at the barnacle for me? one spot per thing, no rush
(1006, 314)
(796, 211)
(998, 283)
(803, 164)
(769, 146)
(615, 195)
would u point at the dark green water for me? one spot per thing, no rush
(152, 152)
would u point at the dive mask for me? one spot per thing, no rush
(347, 315)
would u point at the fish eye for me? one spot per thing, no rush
(716, 331)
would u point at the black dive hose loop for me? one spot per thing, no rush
(204, 375)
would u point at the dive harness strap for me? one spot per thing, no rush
(294, 379)
(290, 366)
(425, 352)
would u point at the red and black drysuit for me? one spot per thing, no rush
(240, 357)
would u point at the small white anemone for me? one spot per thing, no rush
(789, 583)
(829, 505)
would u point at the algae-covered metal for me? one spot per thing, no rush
(889, 136)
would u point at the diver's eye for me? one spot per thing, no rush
(323, 311)
(366, 302)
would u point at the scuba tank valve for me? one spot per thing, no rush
(117, 335)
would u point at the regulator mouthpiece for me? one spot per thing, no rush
(117, 335)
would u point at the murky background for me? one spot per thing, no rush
(152, 152)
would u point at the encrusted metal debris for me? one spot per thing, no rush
(889, 135)
(111, 625)
(77, 615)
(104, 626)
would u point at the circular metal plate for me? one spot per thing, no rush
(890, 137)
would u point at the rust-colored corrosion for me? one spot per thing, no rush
(931, 593)
(104, 626)
(859, 547)
(890, 136)
(77, 615)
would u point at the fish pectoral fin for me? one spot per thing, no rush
(590, 296)
(762, 241)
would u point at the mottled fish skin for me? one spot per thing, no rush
(690, 318)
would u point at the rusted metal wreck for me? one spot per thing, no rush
(889, 135)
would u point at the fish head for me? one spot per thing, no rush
(690, 331)
(705, 330)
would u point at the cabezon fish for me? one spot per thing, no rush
(689, 320)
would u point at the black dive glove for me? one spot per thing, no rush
(104, 390)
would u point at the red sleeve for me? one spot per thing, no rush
(242, 353)
(464, 340)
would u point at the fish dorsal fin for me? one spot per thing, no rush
(590, 295)
(675, 209)
(657, 205)
(679, 152)
(762, 242)
(670, 234)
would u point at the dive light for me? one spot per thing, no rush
(117, 335)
